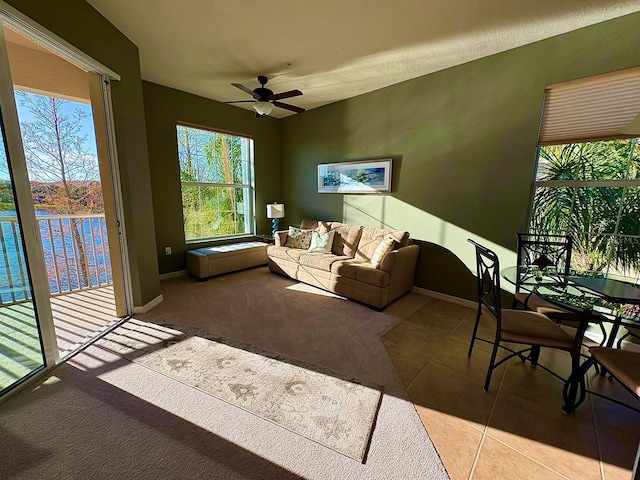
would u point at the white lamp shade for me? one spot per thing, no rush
(263, 108)
(275, 210)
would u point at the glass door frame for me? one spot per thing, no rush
(31, 232)
(25, 212)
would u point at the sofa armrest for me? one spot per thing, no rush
(280, 238)
(400, 264)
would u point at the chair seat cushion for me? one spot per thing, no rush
(623, 364)
(523, 326)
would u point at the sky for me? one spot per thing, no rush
(69, 108)
(25, 116)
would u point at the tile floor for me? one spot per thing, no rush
(517, 429)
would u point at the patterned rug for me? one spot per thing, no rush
(319, 404)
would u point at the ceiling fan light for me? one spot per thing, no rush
(263, 108)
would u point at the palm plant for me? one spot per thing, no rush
(601, 214)
(207, 160)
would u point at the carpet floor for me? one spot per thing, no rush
(322, 405)
(103, 416)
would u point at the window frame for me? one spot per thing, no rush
(575, 184)
(250, 221)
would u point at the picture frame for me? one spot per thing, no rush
(371, 176)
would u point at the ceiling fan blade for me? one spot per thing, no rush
(289, 94)
(293, 108)
(246, 90)
(241, 101)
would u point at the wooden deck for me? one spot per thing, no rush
(78, 317)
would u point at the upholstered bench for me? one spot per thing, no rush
(209, 261)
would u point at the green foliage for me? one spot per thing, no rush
(594, 216)
(209, 161)
(6, 195)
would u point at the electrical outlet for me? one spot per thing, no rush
(167, 250)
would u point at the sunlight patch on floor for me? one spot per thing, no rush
(303, 287)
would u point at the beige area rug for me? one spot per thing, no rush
(321, 405)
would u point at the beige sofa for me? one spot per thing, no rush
(347, 270)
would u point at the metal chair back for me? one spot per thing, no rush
(488, 277)
(550, 255)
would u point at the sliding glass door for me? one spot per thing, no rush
(62, 255)
(21, 341)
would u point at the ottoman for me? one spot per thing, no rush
(209, 261)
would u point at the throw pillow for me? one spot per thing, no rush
(384, 247)
(298, 238)
(322, 242)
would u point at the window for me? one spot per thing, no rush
(591, 191)
(587, 182)
(216, 175)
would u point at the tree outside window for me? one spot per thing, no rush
(591, 191)
(217, 183)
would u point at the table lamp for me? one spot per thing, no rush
(275, 211)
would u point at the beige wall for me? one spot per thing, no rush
(463, 142)
(42, 72)
(79, 24)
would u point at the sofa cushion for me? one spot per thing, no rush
(346, 238)
(317, 225)
(286, 253)
(384, 247)
(361, 271)
(401, 237)
(321, 261)
(369, 241)
(371, 238)
(298, 238)
(322, 242)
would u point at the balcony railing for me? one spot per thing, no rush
(76, 254)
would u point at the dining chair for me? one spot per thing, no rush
(624, 367)
(523, 327)
(632, 330)
(548, 255)
(551, 256)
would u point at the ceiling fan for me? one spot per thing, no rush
(264, 99)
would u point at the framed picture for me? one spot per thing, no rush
(355, 177)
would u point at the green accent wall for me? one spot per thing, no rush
(463, 141)
(164, 108)
(78, 23)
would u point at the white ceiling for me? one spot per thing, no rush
(331, 49)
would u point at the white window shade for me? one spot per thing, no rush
(601, 107)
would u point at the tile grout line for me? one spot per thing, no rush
(595, 429)
(484, 430)
(485, 435)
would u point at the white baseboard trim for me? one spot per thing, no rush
(446, 298)
(145, 308)
(179, 273)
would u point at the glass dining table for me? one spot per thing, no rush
(597, 298)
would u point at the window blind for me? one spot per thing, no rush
(602, 107)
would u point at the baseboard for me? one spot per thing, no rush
(594, 336)
(179, 273)
(145, 308)
(446, 298)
